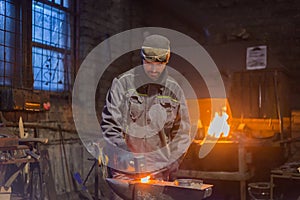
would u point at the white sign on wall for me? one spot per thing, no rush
(256, 57)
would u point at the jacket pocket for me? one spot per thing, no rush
(136, 107)
(171, 108)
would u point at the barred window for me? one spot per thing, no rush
(10, 46)
(37, 44)
(51, 45)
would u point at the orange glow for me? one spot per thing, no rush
(219, 126)
(145, 179)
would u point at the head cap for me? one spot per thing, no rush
(156, 48)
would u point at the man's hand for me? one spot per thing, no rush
(125, 162)
(132, 163)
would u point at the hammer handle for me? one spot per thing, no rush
(41, 140)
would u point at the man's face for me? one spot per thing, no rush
(153, 69)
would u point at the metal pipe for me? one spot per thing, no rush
(38, 125)
(278, 104)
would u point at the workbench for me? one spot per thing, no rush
(281, 174)
(19, 160)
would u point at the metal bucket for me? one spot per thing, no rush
(259, 190)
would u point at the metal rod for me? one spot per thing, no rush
(96, 179)
(90, 171)
(278, 105)
(65, 155)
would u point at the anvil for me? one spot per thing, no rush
(158, 190)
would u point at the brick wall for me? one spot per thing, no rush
(275, 23)
(271, 22)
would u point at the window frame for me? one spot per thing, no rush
(68, 69)
(16, 73)
(25, 78)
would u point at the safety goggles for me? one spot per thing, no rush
(163, 56)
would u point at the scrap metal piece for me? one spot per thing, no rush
(32, 154)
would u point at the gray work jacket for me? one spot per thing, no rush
(144, 116)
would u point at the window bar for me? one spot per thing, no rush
(18, 78)
(4, 49)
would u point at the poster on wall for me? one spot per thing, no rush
(256, 57)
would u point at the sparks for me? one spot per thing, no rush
(145, 179)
